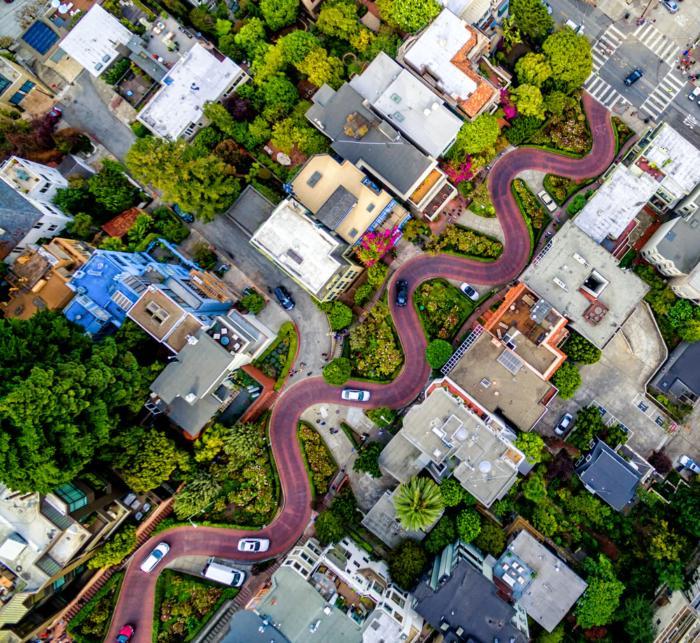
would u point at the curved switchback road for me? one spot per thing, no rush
(135, 604)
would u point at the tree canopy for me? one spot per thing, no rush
(531, 18)
(406, 564)
(567, 379)
(599, 602)
(532, 445)
(115, 550)
(528, 99)
(438, 352)
(569, 55)
(279, 13)
(468, 525)
(418, 503)
(408, 15)
(475, 136)
(533, 69)
(368, 460)
(579, 349)
(337, 371)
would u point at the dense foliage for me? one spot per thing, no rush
(466, 242)
(567, 379)
(116, 549)
(375, 351)
(337, 371)
(438, 352)
(442, 308)
(418, 503)
(321, 465)
(406, 564)
(367, 460)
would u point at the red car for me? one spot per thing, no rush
(125, 633)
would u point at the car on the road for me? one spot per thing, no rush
(688, 463)
(573, 26)
(253, 544)
(284, 297)
(223, 573)
(355, 395)
(633, 77)
(547, 200)
(401, 292)
(54, 114)
(469, 291)
(564, 424)
(125, 633)
(695, 95)
(158, 553)
(185, 216)
(671, 5)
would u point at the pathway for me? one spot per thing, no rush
(136, 600)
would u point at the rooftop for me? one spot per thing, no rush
(501, 384)
(366, 140)
(246, 626)
(548, 589)
(198, 77)
(121, 224)
(17, 217)
(300, 246)
(251, 209)
(681, 244)
(381, 521)
(680, 375)
(323, 184)
(444, 51)
(609, 476)
(583, 281)
(94, 41)
(408, 104)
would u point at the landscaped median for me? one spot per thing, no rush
(92, 622)
(277, 360)
(532, 210)
(318, 461)
(442, 308)
(463, 242)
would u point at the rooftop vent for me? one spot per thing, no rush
(560, 283)
(595, 284)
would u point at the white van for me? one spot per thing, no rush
(223, 574)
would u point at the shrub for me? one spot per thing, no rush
(522, 128)
(376, 274)
(438, 352)
(443, 534)
(560, 187)
(579, 349)
(442, 308)
(115, 550)
(318, 458)
(339, 315)
(338, 371)
(529, 205)
(577, 204)
(406, 563)
(452, 492)
(253, 302)
(567, 379)
(329, 528)
(491, 539)
(468, 525)
(367, 460)
(374, 348)
(382, 416)
(363, 294)
(116, 71)
(204, 255)
(462, 241)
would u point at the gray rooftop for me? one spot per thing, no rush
(244, 627)
(336, 208)
(680, 373)
(380, 148)
(467, 599)
(250, 210)
(681, 244)
(381, 521)
(17, 218)
(609, 476)
(582, 280)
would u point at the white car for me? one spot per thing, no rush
(689, 463)
(547, 200)
(253, 544)
(572, 25)
(564, 424)
(355, 395)
(470, 292)
(155, 557)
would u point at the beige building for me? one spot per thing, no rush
(341, 197)
(20, 89)
(316, 259)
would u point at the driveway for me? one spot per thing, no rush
(312, 324)
(84, 109)
(135, 604)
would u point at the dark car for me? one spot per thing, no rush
(284, 297)
(401, 292)
(633, 77)
(56, 112)
(185, 216)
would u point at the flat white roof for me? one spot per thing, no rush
(295, 242)
(197, 78)
(470, 10)
(408, 104)
(434, 50)
(94, 40)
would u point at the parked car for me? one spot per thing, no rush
(284, 297)
(355, 395)
(564, 424)
(671, 5)
(470, 292)
(223, 574)
(125, 633)
(695, 95)
(253, 544)
(401, 292)
(547, 200)
(547, 6)
(689, 463)
(185, 216)
(633, 77)
(56, 112)
(155, 557)
(572, 25)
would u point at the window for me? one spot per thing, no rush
(159, 315)
(27, 86)
(53, 227)
(72, 496)
(38, 226)
(4, 83)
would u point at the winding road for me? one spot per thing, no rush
(137, 594)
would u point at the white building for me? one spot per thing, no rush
(199, 77)
(27, 212)
(94, 41)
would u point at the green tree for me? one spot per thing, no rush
(338, 19)
(406, 564)
(202, 184)
(243, 443)
(253, 302)
(599, 602)
(280, 96)
(534, 488)
(528, 99)
(531, 18)
(452, 492)
(290, 133)
(438, 352)
(211, 443)
(382, 416)
(532, 445)
(376, 274)
(686, 504)
(115, 550)
(557, 102)
(408, 15)
(363, 294)
(468, 525)
(475, 136)
(145, 458)
(329, 528)
(75, 198)
(202, 20)
(223, 27)
(533, 69)
(441, 535)
(567, 379)
(296, 46)
(337, 371)
(491, 539)
(522, 128)
(690, 331)
(666, 544)
(81, 227)
(197, 496)
(545, 520)
(112, 189)
(418, 503)
(579, 349)
(322, 69)
(251, 38)
(339, 315)
(637, 617)
(588, 424)
(114, 244)
(367, 460)
(569, 55)
(555, 636)
(141, 227)
(279, 13)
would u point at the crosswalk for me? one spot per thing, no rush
(602, 91)
(606, 45)
(659, 44)
(663, 94)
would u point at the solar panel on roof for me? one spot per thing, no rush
(40, 37)
(510, 361)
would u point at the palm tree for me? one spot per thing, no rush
(418, 503)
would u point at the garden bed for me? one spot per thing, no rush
(561, 188)
(622, 132)
(276, 361)
(568, 134)
(466, 243)
(532, 210)
(183, 605)
(92, 622)
(320, 465)
(442, 308)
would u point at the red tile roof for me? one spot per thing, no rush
(121, 224)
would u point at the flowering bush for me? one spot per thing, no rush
(461, 173)
(374, 245)
(510, 111)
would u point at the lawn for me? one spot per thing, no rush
(92, 621)
(319, 463)
(442, 308)
(276, 361)
(184, 604)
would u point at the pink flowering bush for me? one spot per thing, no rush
(510, 111)
(461, 173)
(374, 245)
